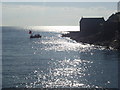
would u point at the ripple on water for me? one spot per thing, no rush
(65, 73)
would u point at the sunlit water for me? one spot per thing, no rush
(54, 61)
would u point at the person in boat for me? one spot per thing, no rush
(30, 32)
(37, 35)
(34, 36)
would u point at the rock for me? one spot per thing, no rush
(107, 35)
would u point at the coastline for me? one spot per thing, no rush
(89, 40)
(107, 35)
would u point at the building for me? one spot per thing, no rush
(90, 26)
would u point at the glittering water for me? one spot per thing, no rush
(54, 61)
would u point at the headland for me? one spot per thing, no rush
(97, 31)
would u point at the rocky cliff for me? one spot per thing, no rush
(108, 35)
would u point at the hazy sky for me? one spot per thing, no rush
(53, 13)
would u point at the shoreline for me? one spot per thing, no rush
(75, 35)
(97, 31)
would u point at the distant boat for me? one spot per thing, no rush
(34, 36)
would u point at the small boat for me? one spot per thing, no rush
(35, 36)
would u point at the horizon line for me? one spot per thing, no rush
(59, 1)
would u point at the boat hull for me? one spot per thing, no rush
(35, 36)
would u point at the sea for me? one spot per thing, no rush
(53, 61)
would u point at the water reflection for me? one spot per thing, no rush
(64, 73)
(78, 66)
(59, 44)
(54, 61)
(69, 70)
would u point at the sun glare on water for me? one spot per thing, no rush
(53, 28)
(66, 67)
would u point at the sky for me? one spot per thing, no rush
(53, 13)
